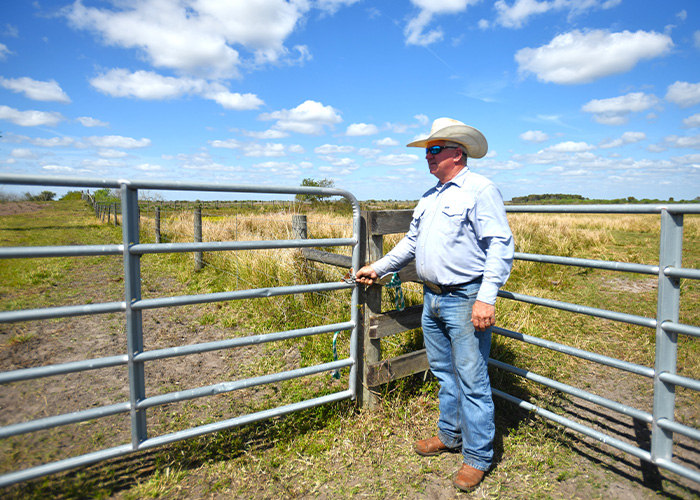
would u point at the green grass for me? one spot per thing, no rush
(337, 450)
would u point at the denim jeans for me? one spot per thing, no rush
(458, 357)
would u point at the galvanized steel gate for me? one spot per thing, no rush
(134, 304)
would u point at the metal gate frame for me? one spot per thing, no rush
(666, 324)
(133, 305)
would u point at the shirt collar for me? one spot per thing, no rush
(458, 179)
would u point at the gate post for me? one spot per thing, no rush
(371, 249)
(300, 227)
(667, 309)
(157, 223)
(134, 325)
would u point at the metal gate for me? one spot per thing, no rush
(133, 304)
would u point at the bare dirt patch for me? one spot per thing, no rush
(20, 207)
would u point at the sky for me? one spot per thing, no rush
(599, 98)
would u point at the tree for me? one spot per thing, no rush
(43, 196)
(323, 183)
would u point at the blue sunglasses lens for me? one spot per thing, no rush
(435, 150)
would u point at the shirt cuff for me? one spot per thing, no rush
(488, 292)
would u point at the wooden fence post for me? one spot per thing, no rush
(198, 256)
(115, 215)
(157, 221)
(370, 302)
(299, 227)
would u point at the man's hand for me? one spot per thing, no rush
(366, 275)
(483, 315)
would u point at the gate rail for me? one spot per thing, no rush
(134, 304)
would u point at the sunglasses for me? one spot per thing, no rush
(435, 150)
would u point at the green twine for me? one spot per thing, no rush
(336, 373)
(395, 283)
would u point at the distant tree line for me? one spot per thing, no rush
(572, 199)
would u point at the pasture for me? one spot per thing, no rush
(334, 451)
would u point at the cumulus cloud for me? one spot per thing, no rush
(149, 85)
(570, 147)
(414, 31)
(585, 56)
(387, 141)
(396, 160)
(517, 14)
(534, 136)
(683, 94)
(626, 138)
(616, 110)
(30, 118)
(49, 91)
(331, 149)
(310, 117)
(692, 121)
(359, 129)
(332, 6)
(86, 121)
(675, 141)
(117, 141)
(197, 37)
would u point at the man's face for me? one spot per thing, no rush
(442, 165)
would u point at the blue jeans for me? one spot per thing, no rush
(458, 357)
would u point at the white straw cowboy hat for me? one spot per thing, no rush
(447, 129)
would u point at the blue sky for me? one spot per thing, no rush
(593, 97)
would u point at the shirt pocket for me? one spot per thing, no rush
(454, 218)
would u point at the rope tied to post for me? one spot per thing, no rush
(395, 284)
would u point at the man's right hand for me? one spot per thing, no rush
(366, 275)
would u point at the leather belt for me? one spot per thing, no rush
(440, 289)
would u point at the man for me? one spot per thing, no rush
(463, 248)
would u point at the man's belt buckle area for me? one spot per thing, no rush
(441, 289)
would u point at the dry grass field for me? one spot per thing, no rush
(334, 451)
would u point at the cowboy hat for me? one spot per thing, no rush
(447, 129)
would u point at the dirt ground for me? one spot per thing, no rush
(600, 471)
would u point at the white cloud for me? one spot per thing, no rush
(86, 121)
(683, 94)
(676, 141)
(682, 15)
(517, 14)
(414, 30)
(331, 149)
(117, 141)
(360, 129)
(696, 41)
(228, 144)
(264, 150)
(36, 90)
(30, 118)
(152, 86)
(332, 6)
(534, 136)
(387, 141)
(616, 110)
(626, 138)
(196, 37)
(422, 119)
(4, 52)
(266, 134)
(396, 160)
(310, 117)
(147, 167)
(23, 153)
(111, 153)
(583, 57)
(692, 121)
(570, 147)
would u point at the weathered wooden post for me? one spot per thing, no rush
(115, 215)
(198, 256)
(157, 221)
(299, 227)
(371, 302)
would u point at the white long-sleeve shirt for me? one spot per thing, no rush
(459, 232)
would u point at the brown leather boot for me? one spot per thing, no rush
(431, 447)
(467, 478)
